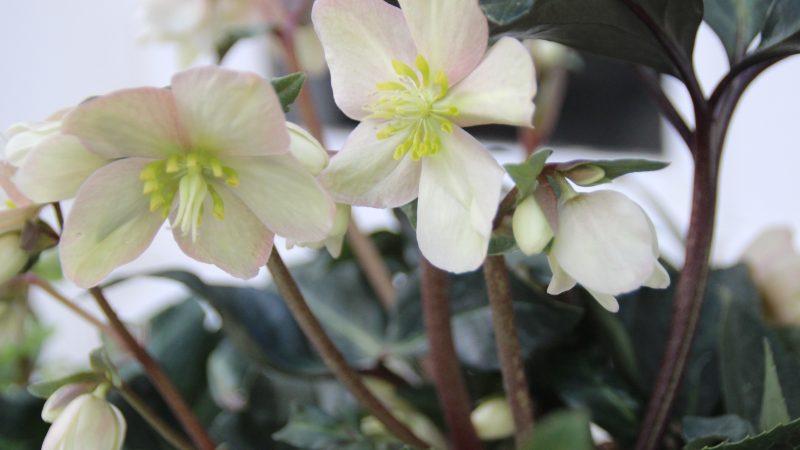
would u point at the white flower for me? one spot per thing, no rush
(414, 77)
(775, 265)
(606, 243)
(87, 423)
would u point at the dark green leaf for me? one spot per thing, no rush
(503, 12)
(700, 432)
(45, 389)
(773, 405)
(736, 22)
(568, 430)
(20, 420)
(313, 429)
(611, 168)
(525, 174)
(782, 23)
(611, 28)
(288, 88)
(783, 437)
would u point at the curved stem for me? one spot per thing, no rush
(152, 419)
(157, 376)
(332, 357)
(515, 382)
(446, 371)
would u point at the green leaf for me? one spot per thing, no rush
(611, 28)
(313, 429)
(45, 389)
(773, 405)
(782, 437)
(503, 12)
(700, 432)
(568, 430)
(611, 168)
(525, 174)
(288, 88)
(736, 22)
(782, 23)
(20, 420)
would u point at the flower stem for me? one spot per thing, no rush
(515, 382)
(332, 357)
(446, 371)
(152, 419)
(160, 381)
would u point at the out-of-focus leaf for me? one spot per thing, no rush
(773, 406)
(611, 169)
(611, 28)
(700, 432)
(736, 22)
(313, 429)
(783, 437)
(288, 88)
(20, 420)
(503, 12)
(568, 430)
(45, 389)
(782, 23)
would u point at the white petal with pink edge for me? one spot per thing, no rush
(458, 196)
(500, 90)
(451, 34)
(365, 173)
(238, 244)
(360, 39)
(110, 223)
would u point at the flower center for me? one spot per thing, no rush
(413, 106)
(187, 176)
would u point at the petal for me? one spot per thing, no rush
(531, 229)
(14, 219)
(110, 223)
(306, 149)
(133, 122)
(605, 242)
(284, 196)
(360, 39)
(238, 244)
(659, 279)
(13, 257)
(22, 137)
(561, 280)
(608, 302)
(365, 173)
(232, 113)
(458, 196)
(500, 90)
(451, 34)
(56, 168)
(62, 397)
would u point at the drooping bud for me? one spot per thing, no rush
(532, 231)
(87, 423)
(492, 419)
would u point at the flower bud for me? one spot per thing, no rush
(492, 419)
(775, 265)
(62, 397)
(606, 243)
(306, 149)
(586, 175)
(531, 229)
(87, 423)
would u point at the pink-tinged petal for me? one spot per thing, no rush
(140, 122)
(56, 168)
(284, 196)
(238, 244)
(500, 90)
(14, 219)
(9, 190)
(360, 39)
(451, 34)
(110, 223)
(458, 196)
(561, 281)
(365, 173)
(231, 113)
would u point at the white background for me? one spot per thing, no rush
(57, 53)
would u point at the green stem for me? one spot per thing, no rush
(332, 357)
(153, 419)
(160, 381)
(512, 366)
(445, 369)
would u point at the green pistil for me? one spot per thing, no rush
(187, 176)
(413, 106)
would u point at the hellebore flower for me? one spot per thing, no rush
(211, 155)
(87, 423)
(414, 77)
(775, 264)
(606, 243)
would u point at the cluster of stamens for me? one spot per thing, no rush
(186, 175)
(413, 106)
